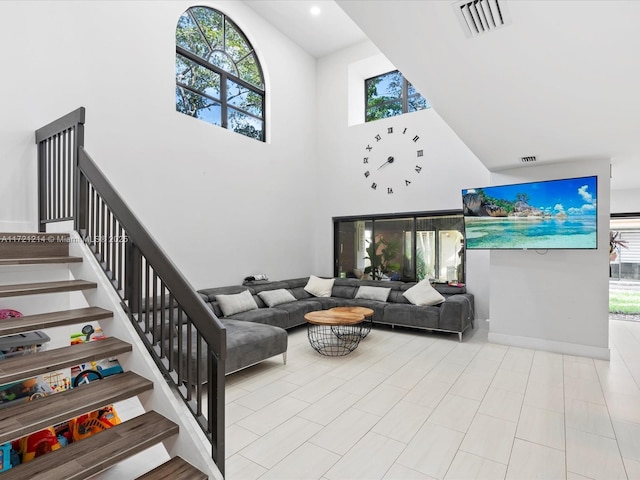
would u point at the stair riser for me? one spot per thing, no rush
(33, 245)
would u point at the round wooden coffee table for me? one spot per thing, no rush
(334, 333)
(367, 313)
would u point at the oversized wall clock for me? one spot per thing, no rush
(392, 160)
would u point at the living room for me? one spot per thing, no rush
(237, 206)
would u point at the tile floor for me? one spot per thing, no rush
(411, 405)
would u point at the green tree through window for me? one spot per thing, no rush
(390, 94)
(218, 75)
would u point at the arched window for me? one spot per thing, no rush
(218, 75)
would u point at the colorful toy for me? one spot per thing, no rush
(86, 425)
(38, 443)
(8, 313)
(5, 457)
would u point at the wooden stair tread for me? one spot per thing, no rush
(31, 245)
(39, 260)
(26, 418)
(175, 469)
(16, 368)
(28, 323)
(80, 460)
(44, 287)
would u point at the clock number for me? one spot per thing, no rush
(407, 183)
(378, 138)
(389, 129)
(415, 139)
(418, 168)
(404, 131)
(365, 160)
(368, 147)
(420, 154)
(366, 174)
(374, 185)
(389, 190)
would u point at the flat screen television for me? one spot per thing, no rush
(552, 214)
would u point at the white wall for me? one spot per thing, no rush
(342, 189)
(625, 201)
(554, 300)
(222, 205)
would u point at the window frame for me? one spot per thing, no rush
(414, 217)
(404, 96)
(225, 76)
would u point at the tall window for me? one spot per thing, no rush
(218, 75)
(389, 95)
(401, 247)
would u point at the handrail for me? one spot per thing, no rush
(182, 334)
(182, 290)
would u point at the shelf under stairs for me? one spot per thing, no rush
(99, 452)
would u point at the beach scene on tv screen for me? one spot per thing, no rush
(538, 215)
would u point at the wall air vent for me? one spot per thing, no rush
(481, 16)
(528, 159)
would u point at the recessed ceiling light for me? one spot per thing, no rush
(315, 10)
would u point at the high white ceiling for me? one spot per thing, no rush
(561, 81)
(327, 32)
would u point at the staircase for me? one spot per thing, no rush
(102, 451)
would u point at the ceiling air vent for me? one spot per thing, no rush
(528, 159)
(481, 16)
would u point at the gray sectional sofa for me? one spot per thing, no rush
(249, 344)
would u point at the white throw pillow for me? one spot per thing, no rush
(237, 303)
(276, 297)
(319, 287)
(373, 293)
(423, 294)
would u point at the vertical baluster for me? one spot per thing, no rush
(181, 354)
(154, 299)
(171, 332)
(121, 249)
(189, 356)
(108, 244)
(147, 293)
(59, 142)
(199, 366)
(48, 177)
(163, 318)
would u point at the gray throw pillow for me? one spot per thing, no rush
(275, 297)
(373, 293)
(238, 303)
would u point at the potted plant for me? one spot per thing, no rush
(382, 263)
(615, 243)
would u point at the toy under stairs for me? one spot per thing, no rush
(100, 452)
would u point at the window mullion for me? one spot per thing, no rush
(223, 100)
(405, 95)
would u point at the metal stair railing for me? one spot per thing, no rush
(182, 334)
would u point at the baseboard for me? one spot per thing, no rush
(550, 346)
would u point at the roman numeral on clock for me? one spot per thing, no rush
(374, 185)
(407, 183)
(418, 168)
(389, 190)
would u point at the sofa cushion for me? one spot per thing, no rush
(319, 287)
(411, 315)
(236, 303)
(297, 310)
(373, 293)
(269, 316)
(423, 294)
(275, 297)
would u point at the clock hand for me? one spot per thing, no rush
(389, 160)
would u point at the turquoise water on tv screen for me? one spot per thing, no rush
(535, 233)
